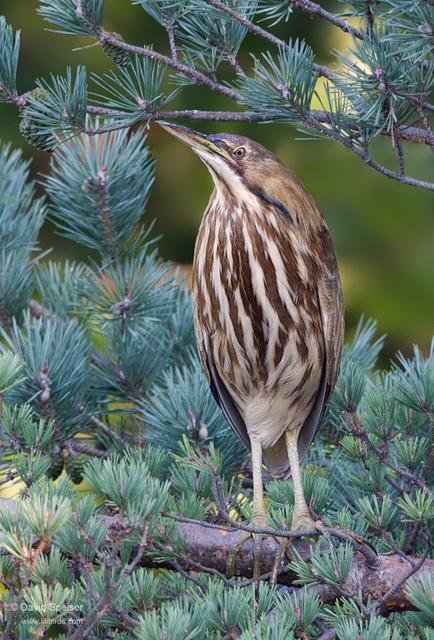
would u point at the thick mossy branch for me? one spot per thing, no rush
(211, 547)
(206, 548)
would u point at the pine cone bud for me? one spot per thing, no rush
(29, 130)
(56, 466)
(74, 467)
(116, 55)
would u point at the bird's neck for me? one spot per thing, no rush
(285, 205)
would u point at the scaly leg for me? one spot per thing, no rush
(301, 518)
(259, 513)
(259, 516)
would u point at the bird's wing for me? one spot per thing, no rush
(332, 314)
(332, 311)
(216, 384)
(224, 400)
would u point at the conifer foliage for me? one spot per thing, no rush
(100, 382)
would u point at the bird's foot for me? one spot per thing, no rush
(301, 523)
(304, 522)
(258, 523)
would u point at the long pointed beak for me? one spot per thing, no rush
(200, 143)
(189, 136)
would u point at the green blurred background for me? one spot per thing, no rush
(383, 231)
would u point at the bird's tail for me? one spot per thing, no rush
(276, 459)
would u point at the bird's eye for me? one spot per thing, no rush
(239, 153)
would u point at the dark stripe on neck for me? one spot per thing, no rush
(280, 208)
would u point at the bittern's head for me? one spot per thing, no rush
(233, 161)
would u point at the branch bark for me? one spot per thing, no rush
(411, 134)
(316, 10)
(305, 5)
(198, 78)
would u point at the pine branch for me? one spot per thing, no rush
(314, 119)
(263, 33)
(99, 425)
(104, 602)
(412, 134)
(421, 102)
(367, 158)
(171, 37)
(76, 447)
(198, 77)
(308, 119)
(315, 9)
(327, 124)
(357, 429)
(9, 477)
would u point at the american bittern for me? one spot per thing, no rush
(268, 307)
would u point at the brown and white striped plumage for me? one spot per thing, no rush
(267, 297)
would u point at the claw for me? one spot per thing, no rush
(230, 563)
(283, 547)
(257, 555)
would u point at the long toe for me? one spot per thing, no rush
(230, 563)
(284, 545)
(256, 551)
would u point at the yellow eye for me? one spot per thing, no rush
(239, 153)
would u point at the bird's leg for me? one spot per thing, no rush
(259, 513)
(301, 518)
(259, 516)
